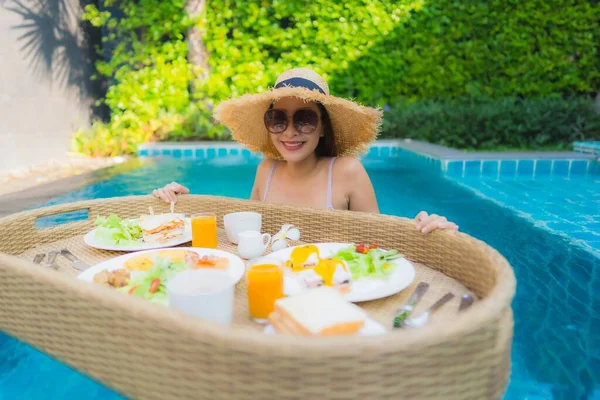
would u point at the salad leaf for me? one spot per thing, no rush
(113, 230)
(157, 276)
(368, 263)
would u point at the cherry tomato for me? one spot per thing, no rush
(154, 285)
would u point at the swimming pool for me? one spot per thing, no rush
(556, 351)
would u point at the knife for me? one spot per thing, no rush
(404, 311)
(75, 262)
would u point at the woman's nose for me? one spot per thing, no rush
(290, 131)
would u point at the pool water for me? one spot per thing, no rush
(568, 206)
(556, 350)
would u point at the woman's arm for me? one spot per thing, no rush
(259, 179)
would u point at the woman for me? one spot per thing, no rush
(309, 139)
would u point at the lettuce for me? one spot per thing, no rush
(163, 270)
(113, 230)
(375, 263)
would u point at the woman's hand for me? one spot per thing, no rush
(427, 223)
(169, 193)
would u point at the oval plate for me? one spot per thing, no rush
(90, 240)
(364, 289)
(236, 268)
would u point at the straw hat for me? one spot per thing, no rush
(354, 126)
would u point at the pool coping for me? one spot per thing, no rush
(21, 200)
(451, 162)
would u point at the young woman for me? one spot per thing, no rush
(309, 139)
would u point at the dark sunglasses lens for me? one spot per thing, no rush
(306, 121)
(275, 121)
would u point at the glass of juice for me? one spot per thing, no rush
(204, 230)
(264, 280)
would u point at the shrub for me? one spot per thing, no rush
(376, 51)
(488, 124)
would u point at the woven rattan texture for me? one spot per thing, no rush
(146, 351)
(381, 310)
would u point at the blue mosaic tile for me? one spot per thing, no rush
(561, 167)
(490, 168)
(455, 168)
(211, 153)
(394, 151)
(177, 153)
(234, 152)
(166, 152)
(384, 151)
(144, 153)
(473, 168)
(222, 152)
(188, 153)
(578, 167)
(200, 153)
(543, 167)
(525, 167)
(508, 167)
(246, 153)
(373, 152)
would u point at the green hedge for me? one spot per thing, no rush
(486, 124)
(375, 51)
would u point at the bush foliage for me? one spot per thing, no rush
(431, 55)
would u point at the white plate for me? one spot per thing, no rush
(90, 240)
(235, 269)
(371, 327)
(364, 289)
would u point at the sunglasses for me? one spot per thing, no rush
(305, 120)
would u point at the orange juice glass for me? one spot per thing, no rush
(264, 279)
(204, 230)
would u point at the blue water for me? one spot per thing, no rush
(556, 351)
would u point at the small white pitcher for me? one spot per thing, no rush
(252, 244)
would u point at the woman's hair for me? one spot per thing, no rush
(326, 145)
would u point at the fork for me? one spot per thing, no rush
(404, 311)
(421, 319)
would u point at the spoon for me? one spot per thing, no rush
(419, 320)
(465, 302)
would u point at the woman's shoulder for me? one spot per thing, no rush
(348, 165)
(265, 165)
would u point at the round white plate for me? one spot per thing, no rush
(371, 327)
(364, 289)
(90, 240)
(235, 269)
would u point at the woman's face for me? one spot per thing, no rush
(295, 144)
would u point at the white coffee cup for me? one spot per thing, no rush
(239, 222)
(252, 244)
(204, 293)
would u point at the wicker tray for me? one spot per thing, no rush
(147, 351)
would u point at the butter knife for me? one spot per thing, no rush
(75, 262)
(404, 311)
